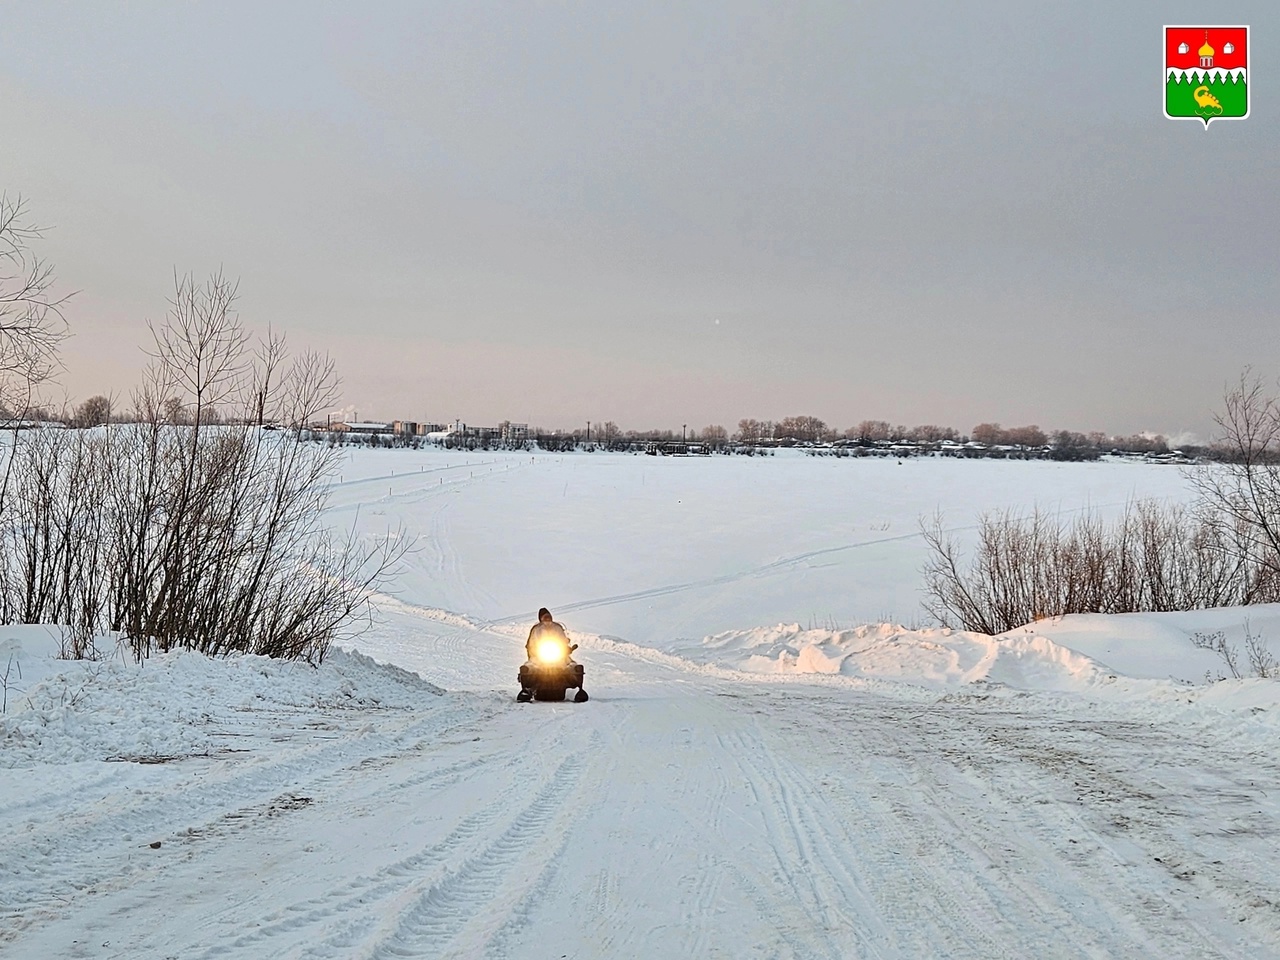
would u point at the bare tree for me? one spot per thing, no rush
(989, 433)
(202, 350)
(871, 430)
(1141, 443)
(1031, 436)
(1243, 492)
(749, 431)
(92, 412)
(32, 326)
(802, 429)
(175, 411)
(931, 433)
(31, 322)
(714, 435)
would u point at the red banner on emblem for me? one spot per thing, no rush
(1225, 46)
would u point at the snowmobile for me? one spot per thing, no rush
(550, 671)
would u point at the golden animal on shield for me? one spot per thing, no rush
(1206, 100)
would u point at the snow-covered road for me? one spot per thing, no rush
(680, 813)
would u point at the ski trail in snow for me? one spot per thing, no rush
(433, 473)
(404, 490)
(761, 570)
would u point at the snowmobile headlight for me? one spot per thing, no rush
(550, 651)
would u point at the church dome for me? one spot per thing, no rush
(1206, 50)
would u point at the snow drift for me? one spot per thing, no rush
(61, 711)
(1076, 653)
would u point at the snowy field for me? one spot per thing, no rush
(781, 757)
(653, 549)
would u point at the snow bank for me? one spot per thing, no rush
(938, 657)
(1159, 645)
(173, 705)
(1151, 655)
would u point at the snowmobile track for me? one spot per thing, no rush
(448, 905)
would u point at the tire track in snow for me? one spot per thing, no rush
(1122, 839)
(1031, 880)
(803, 873)
(870, 873)
(504, 941)
(355, 896)
(187, 810)
(706, 893)
(444, 909)
(916, 889)
(932, 883)
(344, 919)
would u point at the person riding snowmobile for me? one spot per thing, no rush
(545, 679)
(545, 627)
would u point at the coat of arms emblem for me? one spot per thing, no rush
(1206, 73)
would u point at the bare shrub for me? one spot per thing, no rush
(193, 534)
(1262, 663)
(1154, 557)
(1216, 642)
(4, 682)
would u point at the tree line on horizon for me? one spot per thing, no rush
(99, 410)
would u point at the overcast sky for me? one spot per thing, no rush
(665, 213)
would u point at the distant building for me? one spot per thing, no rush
(513, 432)
(362, 427)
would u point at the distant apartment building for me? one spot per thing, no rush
(513, 432)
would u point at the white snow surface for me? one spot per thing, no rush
(765, 769)
(1081, 653)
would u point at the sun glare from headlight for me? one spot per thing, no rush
(550, 651)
